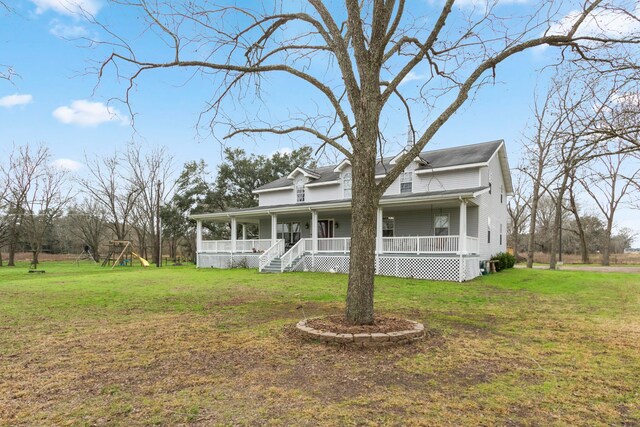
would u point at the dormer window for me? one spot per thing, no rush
(406, 182)
(346, 185)
(300, 192)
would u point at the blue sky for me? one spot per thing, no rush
(55, 100)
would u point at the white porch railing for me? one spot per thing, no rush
(473, 246)
(270, 254)
(254, 245)
(292, 254)
(337, 244)
(420, 244)
(391, 245)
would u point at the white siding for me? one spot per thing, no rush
(282, 197)
(324, 192)
(491, 207)
(448, 180)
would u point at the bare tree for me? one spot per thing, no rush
(519, 211)
(44, 202)
(109, 184)
(89, 220)
(152, 174)
(20, 174)
(608, 182)
(580, 229)
(355, 58)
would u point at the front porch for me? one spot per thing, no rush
(435, 240)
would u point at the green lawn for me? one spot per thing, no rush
(177, 346)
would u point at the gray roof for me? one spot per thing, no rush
(445, 157)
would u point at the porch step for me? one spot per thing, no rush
(274, 267)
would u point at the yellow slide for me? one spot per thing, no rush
(143, 261)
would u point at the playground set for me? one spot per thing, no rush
(125, 254)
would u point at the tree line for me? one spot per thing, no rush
(133, 195)
(581, 165)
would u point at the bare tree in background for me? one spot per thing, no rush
(538, 151)
(89, 220)
(151, 173)
(45, 201)
(519, 210)
(608, 182)
(109, 184)
(355, 58)
(20, 174)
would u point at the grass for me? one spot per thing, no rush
(179, 346)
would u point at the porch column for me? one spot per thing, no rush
(462, 244)
(314, 232)
(379, 245)
(234, 233)
(274, 229)
(244, 231)
(198, 236)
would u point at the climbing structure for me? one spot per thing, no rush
(120, 253)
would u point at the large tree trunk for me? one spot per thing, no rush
(364, 207)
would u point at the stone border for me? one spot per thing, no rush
(362, 340)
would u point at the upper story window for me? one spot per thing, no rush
(406, 182)
(346, 185)
(501, 194)
(300, 192)
(441, 225)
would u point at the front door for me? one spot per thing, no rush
(325, 228)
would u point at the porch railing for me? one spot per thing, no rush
(420, 244)
(254, 245)
(270, 254)
(292, 254)
(473, 246)
(336, 244)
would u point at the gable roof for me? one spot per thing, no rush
(435, 159)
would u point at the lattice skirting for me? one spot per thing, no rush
(452, 269)
(228, 260)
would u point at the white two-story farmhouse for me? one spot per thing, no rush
(443, 215)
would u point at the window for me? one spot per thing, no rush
(388, 226)
(500, 233)
(406, 182)
(489, 230)
(300, 192)
(441, 225)
(490, 179)
(289, 231)
(346, 185)
(501, 193)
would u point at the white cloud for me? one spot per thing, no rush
(67, 165)
(67, 31)
(86, 113)
(68, 7)
(603, 22)
(14, 100)
(411, 76)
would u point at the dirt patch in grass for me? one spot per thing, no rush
(339, 325)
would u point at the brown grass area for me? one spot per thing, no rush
(182, 369)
